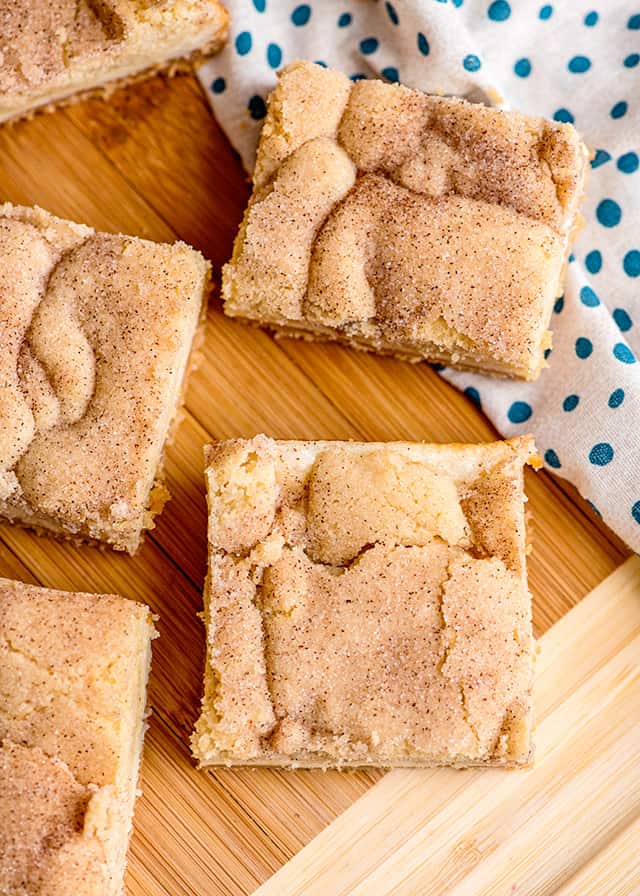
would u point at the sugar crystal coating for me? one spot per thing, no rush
(51, 50)
(98, 329)
(421, 226)
(366, 604)
(71, 725)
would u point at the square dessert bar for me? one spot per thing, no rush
(97, 333)
(366, 604)
(421, 226)
(73, 677)
(51, 50)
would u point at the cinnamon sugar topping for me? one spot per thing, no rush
(366, 604)
(98, 330)
(409, 224)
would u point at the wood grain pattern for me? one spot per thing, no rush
(566, 823)
(153, 162)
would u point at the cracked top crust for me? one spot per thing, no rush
(52, 48)
(424, 226)
(71, 719)
(97, 331)
(366, 604)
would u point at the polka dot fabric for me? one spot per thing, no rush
(576, 62)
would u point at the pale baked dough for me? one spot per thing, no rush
(366, 604)
(73, 675)
(51, 50)
(421, 226)
(97, 332)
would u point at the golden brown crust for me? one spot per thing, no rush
(71, 726)
(53, 53)
(99, 329)
(366, 604)
(406, 223)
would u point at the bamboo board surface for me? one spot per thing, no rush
(152, 162)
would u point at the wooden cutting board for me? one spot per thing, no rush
(153, 162)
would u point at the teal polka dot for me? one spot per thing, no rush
(584, 347)
(619, 109)
(563, 115)
(623, 353)
(622, 319)
(499, 11)
(321, 63)
(423, 44)
(631, 60)
(391, 73)
(522, 68)
(591, 19)
(616, 398)
(547, 353)
(471, 63)
(219, 85)
(519, 412)
(357, 76)
(260, 5)
(552, 459)
(345, 20)
(631, 263)
(601, 454)
(257, 107)
(628, 163)
(473, 395)
(588, 297)
(572, 258)
(593, 507)
(634, 22)
(593, 261)
(635, 512)
(600, 158)
(546, 12)
(608, 213)
(570, 403)
(579, 64)
(391, 12)
(457, 3)
(274, 55)
(559, 305)
(438, 367)
(369, 45)
(243, 43)
(301, 14)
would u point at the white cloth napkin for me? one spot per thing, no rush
(571, 60)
